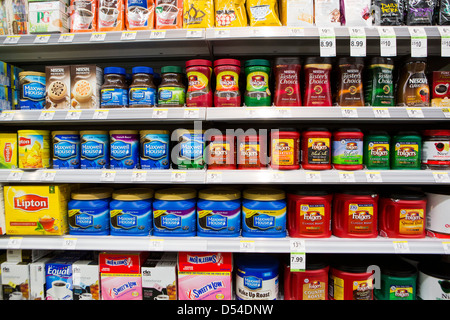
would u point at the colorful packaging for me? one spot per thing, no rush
(350, 82)
(2, 215)
(15, 280)
(85, 81)
(34, 149)
(66, 149)
(257, 93)
(356, 13)
(51, 16)
(83, 15)
(3, 20)
(168, 14)
(230, 13)
(8, 151)
(347, 149)
(37, 278)
(159, 279)
(124, 149)
(86, 280)
(377, 150)
(139, 14)
(297, 13)
(36, 210)
(221, 152)
(379, 88)
(111, 15)
(205, 276)
(190, 149)
(251, 151)
(327, 13)
(227, 93)
(440, 92)
(94, 149)
(263, 13)
(57, 81)
(198, 14)
(287, 82)
(388, 12)
(154, 149)
(419, 12)
(6, 98)
(17, 16)
(316, 149)
(285, 149)
(433, 281)
(436, 149)
(413, 89)
(199, 93)
(32, 90)
(406, 151)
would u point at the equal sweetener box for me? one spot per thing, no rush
(120, 275)
(205, 276)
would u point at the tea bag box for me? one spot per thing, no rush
(86, 280)
(15, 280)
(159, 279)
(48, 16)
(37, 278)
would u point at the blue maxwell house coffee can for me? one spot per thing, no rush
(155, 149)
(66, 149)
(94, 149)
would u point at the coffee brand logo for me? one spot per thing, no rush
(30, 203)
(23, 142)
(227, 81)
(379, 151)
(59, 270)
(7, 152)
(205, 259)
(312, 216)
(282, 146)
(406, 152)
(258, 82)
(361, 215)
(252, 282)
(412, 216)
(118, 262)
(197, 293)
(319, 146)
(315, 285)
(401, 293)
(362, 287)
(352, 146)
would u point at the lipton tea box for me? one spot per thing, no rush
(37, 209)
(8, 151)
(204, 276)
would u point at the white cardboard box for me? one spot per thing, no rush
(49, 16)
(15, 280)
(159, 280)
(86, 280)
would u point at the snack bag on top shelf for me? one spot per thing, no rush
(263, 13)
(297, 13)
(83, 15)
(230, 13)
(139, 14)
(198, 14)
(168, 14)
(111, 15)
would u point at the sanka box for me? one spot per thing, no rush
(205, 276)
(36, 210)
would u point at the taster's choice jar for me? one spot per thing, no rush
(174, 212)
(436, 149)
(88, 211)
(264, 213)
(219, 212)
(131, 212)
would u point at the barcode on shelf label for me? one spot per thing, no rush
(381, 113)
(247, 246)
(42, 38)
(47, 115)
(388, 42)
(101, 114)
(66, 38)
(15, 175)
(160, 113)
(345, 176)
(418, 42)
(69, 243)
(108, 175)
(128, 35)
(73, 115)
(296, 32)
(327, 42)
(15, 242)
(349, 113)
(156, 245)
(213, 176)
(194, 33)
(158, 34)
(445, 41)
(97, 36)
(313, 177)
(401, 246)
(11, 40)
(48, 175)
(222, 32)
(178, 176)
(357, 42)
(139, 176)
(441, 177)
(373, 176)
(297, 262)
(414, 112)
(7, 115)
(191, 113)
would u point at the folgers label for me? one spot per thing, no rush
(398, 280)
(251, 153)
(406, 151)
(155, 149)
(227, 92)
(348, 149)
(285, 149)
(377, 150)
(316, 149)
(124, 149)
(66, 150)
(221, 152)
(94, 149)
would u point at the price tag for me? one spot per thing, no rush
(194, 33)
(47, 115)
(7, 115)
(313, 176)
(178, 176)
(66, 38)
(284, 112)
(128, 35)
(139, 176)
(15, 242)
(251, 112)
(414, 112)
(441, 177)
(297, 245)
(73, 115)
(97, 37)
(446, 246)
(48, 175)
(69, 243)
(445, 41)
(101, 114)
(298, 261)
(418, 42)
(11, 40)
(345, 176)
(156, 245)
(327, 42)
(381, 112)
(191, 113)
(357, 42)
(158, 34)
(388, 42)
(222, 32)
(213, 176)
(373, 176)
(247, 246)
(256, 32)
(15, 175)
(160, 113)
(108, 175)
(42, 38)
(276, 176)
(401, 246)
(296, 32)
(446, 112)
(349, 113)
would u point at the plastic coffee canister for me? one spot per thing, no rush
(221, 152)
(406, 151)
(376, 150)
(398, 280)
(347, 149)
(285, 149)
(316, 149)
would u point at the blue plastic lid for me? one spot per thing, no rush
(142, 70)
(265, 265)
(114, 70)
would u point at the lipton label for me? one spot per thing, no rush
(30, 202)
(411, 221)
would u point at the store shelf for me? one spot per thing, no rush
(238, 244)
(212, 177)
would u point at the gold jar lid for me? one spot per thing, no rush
(93, 132)
(92, 194)
(264, 194)
(54, 133)
(144, 132)
(31, 73)
(219, 194)
(176, 194)
(133, 194)
(124, 132)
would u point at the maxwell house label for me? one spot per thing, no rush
(155, 149)
(65, 150)
(127, 221)
(192, 147)
(92, 150)
(34, 91)
(84, 220)
(253, 282)
(171, 221)
(120, 150)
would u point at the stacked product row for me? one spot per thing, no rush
(225, 212)
(36, 16)
(220, 276)
(280, 149)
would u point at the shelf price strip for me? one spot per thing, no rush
(357, 42)
(247, 246)
(418, 42)
(401, 247)
(139, 176)
(11, 40)
(97, 37)
(327, 42)
(158, 34)
(381, 112)
(7, 115)
(66, 38)
(15, 242)
(42, 38)
(15, 175)
(156, 245)
(388, 42)
(69, 243)
(128, 35)
(445, 41)
(297, 255)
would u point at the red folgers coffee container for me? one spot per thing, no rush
(403, 215)
(285, 149)
(199, 92)
(287, 82)
(317, 82)
(350, 279)
(309, 214)
(316, 149)
(311, 284)
(252, 151)
(227, 92)
(355, 214)
(221, 152)
(347, 149)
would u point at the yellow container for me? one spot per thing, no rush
(37, 209)
(34, 149)
(8, 151)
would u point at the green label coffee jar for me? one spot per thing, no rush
(398, 280)
(376, 150)
(257, 93)
(379, 89)
(406, 151)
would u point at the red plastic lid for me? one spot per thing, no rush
(436, 132)
(198, 62)
(232, 62)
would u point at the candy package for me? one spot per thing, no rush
(356, 13)
(327, 13)
(198, 14)
(420, 12)
(297, 13)
(388, 12)
(230, 13)
(263, 13)
(139, 14)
